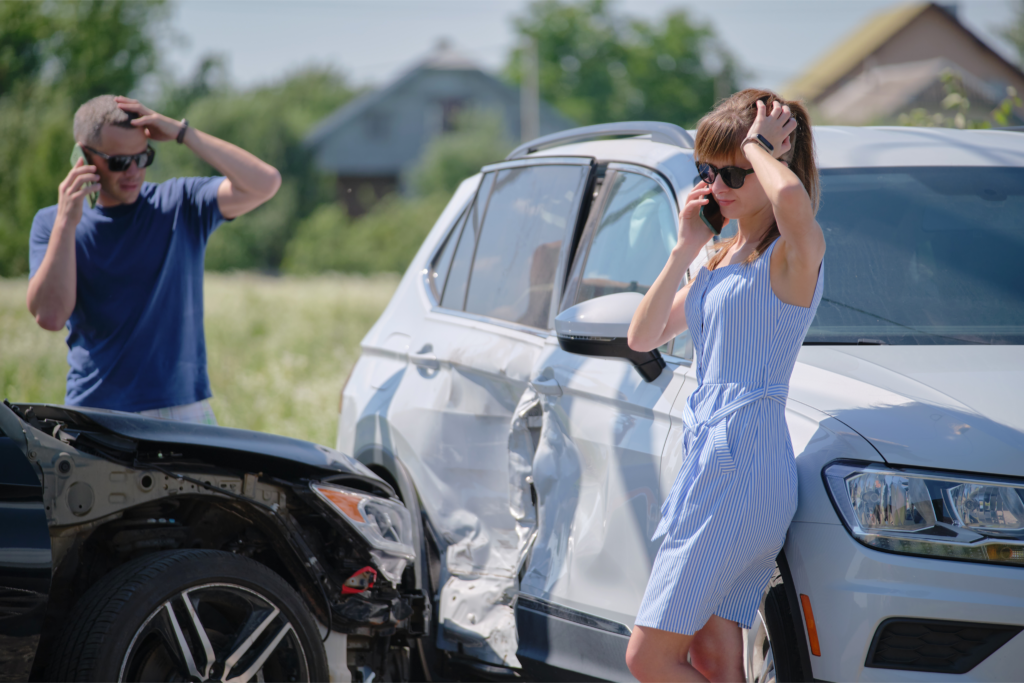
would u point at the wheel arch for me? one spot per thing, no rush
(388, 467)
(793, 599)
(83, 564)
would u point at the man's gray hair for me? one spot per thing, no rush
(98, 112)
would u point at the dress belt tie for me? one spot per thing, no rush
(714, 428)
(774, 391)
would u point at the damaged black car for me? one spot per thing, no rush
(138, 549)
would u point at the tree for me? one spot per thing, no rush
(53, 56)
(479, 139)
(269, 121)
(957, 112)
(597, 66)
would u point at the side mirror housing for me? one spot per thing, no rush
(599, 327)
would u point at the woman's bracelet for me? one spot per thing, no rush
(761, 141)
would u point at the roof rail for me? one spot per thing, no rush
(667, 133)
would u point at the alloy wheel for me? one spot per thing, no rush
(760, 657)
(216, 632)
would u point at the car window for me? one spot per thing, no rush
(530, 212)
(631, 244)
(454, 293)
(443, 260)
(926, 255)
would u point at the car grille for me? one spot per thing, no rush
(953, 647)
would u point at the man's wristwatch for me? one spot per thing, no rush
(181, 133)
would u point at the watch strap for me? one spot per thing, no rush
(181, 133)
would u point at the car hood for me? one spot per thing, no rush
(236, 448)
(949, 407)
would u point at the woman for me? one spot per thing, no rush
(748, 311)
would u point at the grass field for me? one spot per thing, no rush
(278, 348)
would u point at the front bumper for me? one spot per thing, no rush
(853, 589)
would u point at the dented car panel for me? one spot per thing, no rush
(597, 474)
(540, 473)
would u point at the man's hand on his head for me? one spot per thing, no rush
(158, 127)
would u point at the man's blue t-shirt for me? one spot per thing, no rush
(136, 335)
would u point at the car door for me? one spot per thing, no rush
(597, 468)
(493, 296)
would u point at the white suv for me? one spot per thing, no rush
(497, 392)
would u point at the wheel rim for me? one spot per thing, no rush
(760, 657)
(216, 632)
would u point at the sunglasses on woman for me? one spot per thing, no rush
(733, 176)
(120, 162)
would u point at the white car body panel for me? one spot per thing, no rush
(462, 420)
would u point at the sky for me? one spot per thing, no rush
(372, 41)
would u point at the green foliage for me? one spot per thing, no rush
(383, 240)
(1014, 31)
(278, 348)
(270, 122)
(597, 66)
(479, 139)
(51, 60)
(957, 111)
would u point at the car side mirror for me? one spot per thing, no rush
(598, 327)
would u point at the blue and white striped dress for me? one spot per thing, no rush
(732, 501)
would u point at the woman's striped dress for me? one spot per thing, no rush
(727, 514)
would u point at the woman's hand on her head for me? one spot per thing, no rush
(776, 127)
(691, 227)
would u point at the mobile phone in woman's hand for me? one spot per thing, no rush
(711, 214)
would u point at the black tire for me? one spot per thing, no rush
(126, 626)
(782, 633)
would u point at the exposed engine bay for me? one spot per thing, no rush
(116, 487)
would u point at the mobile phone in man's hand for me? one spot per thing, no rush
(76, 154)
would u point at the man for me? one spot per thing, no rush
(126, 277)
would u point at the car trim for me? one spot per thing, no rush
(552, 609)
(650, 173)
(538, 161)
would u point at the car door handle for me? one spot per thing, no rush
(424, 360)
(548, 386)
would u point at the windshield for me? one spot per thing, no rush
(922, 256)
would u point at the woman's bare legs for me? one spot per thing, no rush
(717, 651)
(715, 654)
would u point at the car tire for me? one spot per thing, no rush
(774, 655)
(166, 615)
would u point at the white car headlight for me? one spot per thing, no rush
(920, 512)
(385, 524)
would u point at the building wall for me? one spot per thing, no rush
(935, 34)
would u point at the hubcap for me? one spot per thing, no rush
(760, 658)
(216, 632)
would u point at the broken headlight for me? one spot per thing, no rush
(922, 512)
(384, 523)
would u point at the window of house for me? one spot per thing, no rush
(530, 212)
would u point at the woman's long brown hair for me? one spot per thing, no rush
(720, 133)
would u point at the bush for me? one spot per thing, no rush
(383, 240)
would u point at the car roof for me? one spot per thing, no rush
(837, 147)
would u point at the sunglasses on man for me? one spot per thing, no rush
(120, 162)
(733, 176)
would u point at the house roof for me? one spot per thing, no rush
(442, 58)
(845, 57)
(381, 133)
